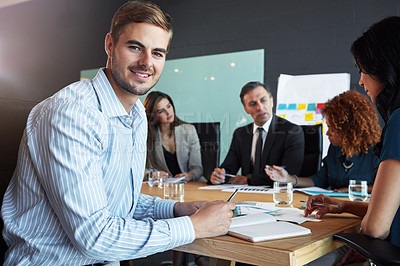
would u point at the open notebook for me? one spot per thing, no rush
(263, 226)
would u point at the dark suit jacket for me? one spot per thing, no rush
(284, 145)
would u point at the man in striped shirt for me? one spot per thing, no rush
(74, 198)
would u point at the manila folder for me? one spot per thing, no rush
(262, 227)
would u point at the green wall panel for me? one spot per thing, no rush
(206, 88)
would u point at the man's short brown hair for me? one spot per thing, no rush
(139, 12)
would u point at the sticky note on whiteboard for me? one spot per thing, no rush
(311, 107)
(301, 106)
(282, 106)
(309, 116)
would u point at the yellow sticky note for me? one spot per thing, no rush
(323, 130)
(309, 116)
(282, 116)
(301, 106)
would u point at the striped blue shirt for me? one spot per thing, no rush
(74, 198)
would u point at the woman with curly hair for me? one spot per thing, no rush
(353, 131)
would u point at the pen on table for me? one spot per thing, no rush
(323, 204)
(225, 174)
(232, 195)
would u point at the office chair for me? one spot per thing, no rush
(376, 251)
(209, 136)
(312, 149)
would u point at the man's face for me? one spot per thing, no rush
(258, 103)
(137, 59)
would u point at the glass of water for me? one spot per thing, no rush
(358, 190)
(283, 193)
(174, 191)
(155, 178)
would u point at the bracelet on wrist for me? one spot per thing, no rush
(297, 180)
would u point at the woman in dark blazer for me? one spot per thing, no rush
(172, 144)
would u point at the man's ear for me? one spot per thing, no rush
(244, 106)
(272, 102)
(108, 45)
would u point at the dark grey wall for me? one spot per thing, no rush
(299, 37)
(45, 43)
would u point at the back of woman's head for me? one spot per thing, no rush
(377, 53)
(355, 121)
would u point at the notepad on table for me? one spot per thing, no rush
(262, 227)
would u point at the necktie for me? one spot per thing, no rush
(258, 153)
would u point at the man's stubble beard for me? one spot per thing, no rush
(115, 72)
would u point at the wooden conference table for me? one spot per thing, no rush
(289, 251)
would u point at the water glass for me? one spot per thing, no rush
(174, 191)
(283, 193)
(358, 190)
(155, 178)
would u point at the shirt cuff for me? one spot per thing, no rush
(182, 231)
(164, 209)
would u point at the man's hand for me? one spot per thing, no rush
(187, 208)
(277, 173)
(238, 180)
(218, 176)
(213, 219)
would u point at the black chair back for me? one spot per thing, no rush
(312, 149)
(209, 136)
(376, 251)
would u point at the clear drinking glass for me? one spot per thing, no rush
(155, 178)
(174, 191)
(358, 190)
(283, 193)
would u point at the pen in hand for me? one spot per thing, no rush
(232, 195)
(225, 174)
(323, 204)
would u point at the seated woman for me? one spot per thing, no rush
(172, 145)
(376, 55)
(353, 129)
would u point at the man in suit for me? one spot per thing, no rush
(281, 142)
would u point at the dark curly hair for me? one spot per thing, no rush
(355, 120)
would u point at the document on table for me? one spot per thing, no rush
(223, 187)
(262, 227)
(251, 189)
(311, 191)
(174, 179)
(288, 214)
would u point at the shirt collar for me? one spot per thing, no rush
(109, 102)
(265, 126)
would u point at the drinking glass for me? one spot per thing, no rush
(358, 190)
(155, 178)
(174, 191)
(283, 193)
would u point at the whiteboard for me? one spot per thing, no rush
(300, 98)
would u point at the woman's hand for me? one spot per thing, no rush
(188, 176)
(342, 190)
(323, 210)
